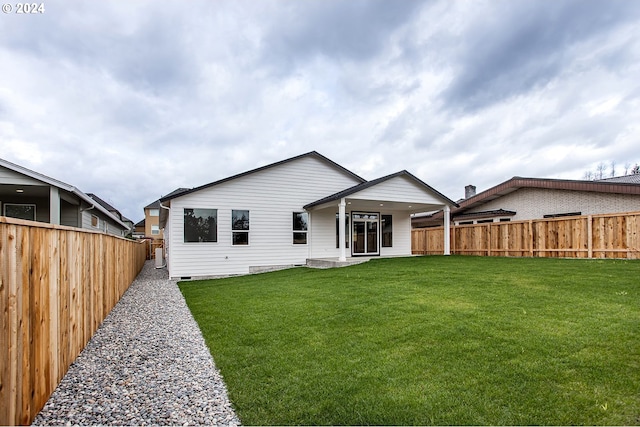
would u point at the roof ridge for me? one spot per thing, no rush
(265, 167)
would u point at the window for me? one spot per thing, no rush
(95, 221)
(155, 229)
(200, 225)
(154, 212)
(346, 229)
(505, 219)
(559, 215)
(484, 221)
(27, 212)
(387, 231)
(300, 228)
(240, 227)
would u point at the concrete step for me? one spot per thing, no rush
(334, 262)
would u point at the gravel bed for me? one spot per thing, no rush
(146, 365)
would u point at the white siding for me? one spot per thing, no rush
(401, 235)
(324, 234)
(398, 189)
(271, 195)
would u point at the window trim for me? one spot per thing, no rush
(184, 228)
(383, 218)
(237, 231)
(304, 232)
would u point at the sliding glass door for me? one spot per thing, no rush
(365, 235)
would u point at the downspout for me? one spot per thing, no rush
(84, 210)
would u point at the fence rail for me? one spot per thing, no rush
(592, 236)
(57, 284)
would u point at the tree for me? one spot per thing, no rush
(601, 171)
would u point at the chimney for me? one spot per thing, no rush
(469, 191)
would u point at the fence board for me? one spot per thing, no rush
(56, 286)
(593, 236)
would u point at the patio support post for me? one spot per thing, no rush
(341, 230)
(54, 205)
(447, 230)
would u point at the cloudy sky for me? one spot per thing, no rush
(131, 100)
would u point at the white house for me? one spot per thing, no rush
(289, 212)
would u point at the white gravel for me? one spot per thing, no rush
(147, 364)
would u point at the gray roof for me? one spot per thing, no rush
(629, 179)
(156, 204)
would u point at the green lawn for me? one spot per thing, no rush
(429, 340)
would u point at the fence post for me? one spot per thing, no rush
(424, 238)
(590, 236)
(453, 238)
(531, 240)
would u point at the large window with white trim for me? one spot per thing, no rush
(387, 231)
(240, 227)
(300, 228)
(200, 225)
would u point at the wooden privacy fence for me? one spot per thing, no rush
(57, 284)
(592, 236)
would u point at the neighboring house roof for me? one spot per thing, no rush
(64, 186)
(156, 204)
(310, 154)
(110, 208)
(140, 223)
(629, 179)
(356, 188)
(517, 183)
(611, 185)
(484, 214)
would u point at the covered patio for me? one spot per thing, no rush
(373, 218)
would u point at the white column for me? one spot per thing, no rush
(447, 231)
(341, 230)
(54, 205)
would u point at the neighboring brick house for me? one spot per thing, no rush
(535, 198)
